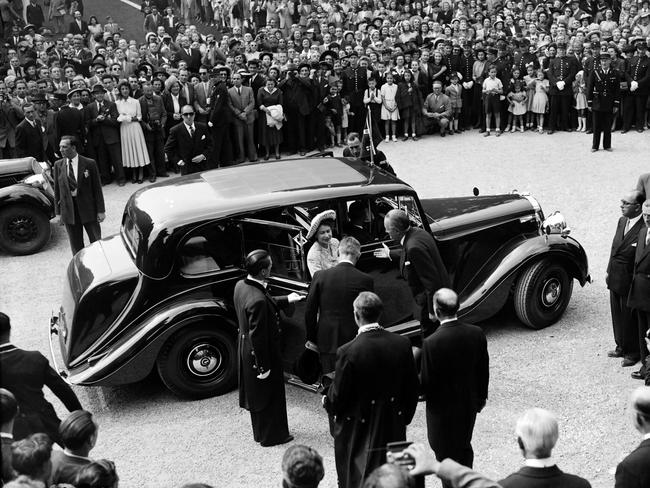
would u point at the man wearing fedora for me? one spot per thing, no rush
(603, 97)
(78, 197)
(637, 76)
(103, 131)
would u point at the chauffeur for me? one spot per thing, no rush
(603, 96)
(261, 379)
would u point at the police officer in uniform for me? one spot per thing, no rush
(561, 73)
(638, 79)
(261, 378)
(355, 83)
(603, 96)
(466, 70)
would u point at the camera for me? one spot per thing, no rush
(395, 454)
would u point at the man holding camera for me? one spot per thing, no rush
(154, 117)
(373, 401)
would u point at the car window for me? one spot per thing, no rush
(213, 247)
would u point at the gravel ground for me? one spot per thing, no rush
(564, 368)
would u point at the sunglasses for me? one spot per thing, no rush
(188, 113)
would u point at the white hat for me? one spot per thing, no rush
(318, 220)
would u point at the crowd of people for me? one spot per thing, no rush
(290, 76)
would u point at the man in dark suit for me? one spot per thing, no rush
(219, 120)
(639, 296)
(420, 264)
(29, 136)
(189, 144)
(261, 378)
(242, 105)
(603, 96)
(78, 26)
(561, 73)
(70, 120)
(191, 56)
(103, 131)
(24, 373)
(643, 185)
(358, 216)
(78, 197)
(374, 394)
(619, 278)
(455, 376)
(8, 414)
(154, 118)
(329, 316)
(634, 470)
(537, 433)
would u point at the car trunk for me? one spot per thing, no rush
(99, 283)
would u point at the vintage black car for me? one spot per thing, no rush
(159, 294)
(26, 205)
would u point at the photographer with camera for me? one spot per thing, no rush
(154, 117)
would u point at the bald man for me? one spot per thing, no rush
(454, 377)
(634, 470)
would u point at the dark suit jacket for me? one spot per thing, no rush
(70, 122)
(73, 28)
(639, 297)
(29, 140)
(168, 103)
(528, 477)
(108, 129)
(220, 112)
(24, 373)
(643, 185)
(634, 470)
(603, 90)
(259, 345)
(180, 146)
(455, 368)
(561, 69)
(621, 258)
(193, 59)
(329, 316)
(422, 266)
(90, 199)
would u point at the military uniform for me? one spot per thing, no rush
(603, 95)
(466, 70)
(355, 83)
(560, 70)
(634, 103)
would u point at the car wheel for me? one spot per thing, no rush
(200, 361)
(23, 229)
(542, 294)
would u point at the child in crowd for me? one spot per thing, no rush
(454, 92)
(540, 99)
(345, 117)
(529, 79)
(389, 113)
(372, 99)
(492, 91)
(334, 109)
(517, 98)
(579, 87)
(409, 102)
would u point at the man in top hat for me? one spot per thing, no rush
(103, 131)
(29, 135)
(637, 75)
(561, 73)
(603, 97)
(70, 120)
(634, 470)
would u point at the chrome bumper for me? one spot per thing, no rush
(54, 331)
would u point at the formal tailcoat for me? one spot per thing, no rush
(603, 90)
(422, 266)
(373, 398)
(639, 296)
(528, 477)
(329, 315)
(621, 257)
(90, 199)
(29, 140)
(634, 470)
(24, 373)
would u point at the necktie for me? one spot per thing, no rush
(192, 131)
(647, 238)
(627, 227)
(239, 91)
(72, 181)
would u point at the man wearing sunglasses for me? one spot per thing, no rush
(189, 144)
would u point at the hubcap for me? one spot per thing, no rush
(551, 292)
(22, 229)
(204, 360)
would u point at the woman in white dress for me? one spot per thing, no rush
(324, 252)
(134, 147)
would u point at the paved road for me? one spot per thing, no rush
(159, 440)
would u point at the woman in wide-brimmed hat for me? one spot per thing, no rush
(324, 252)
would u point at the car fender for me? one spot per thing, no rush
(23, 194)
(502, 270)
(134, 356)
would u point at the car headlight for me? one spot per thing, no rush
(555, 224)
(37, 181)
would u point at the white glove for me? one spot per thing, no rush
(295, 297)
(560, 85)
(263, 376)
(634, 85)
(470, 84)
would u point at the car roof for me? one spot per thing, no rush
(242, 188)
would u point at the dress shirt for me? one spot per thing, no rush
(191, 130)
(646, 436)
(444, 321)
(539, 463)
(631, 223)
(368, 328)
(647, 238)
(75, 166)
(6, 435)
(177, 103)
(263, 283)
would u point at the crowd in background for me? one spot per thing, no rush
(279, 76)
